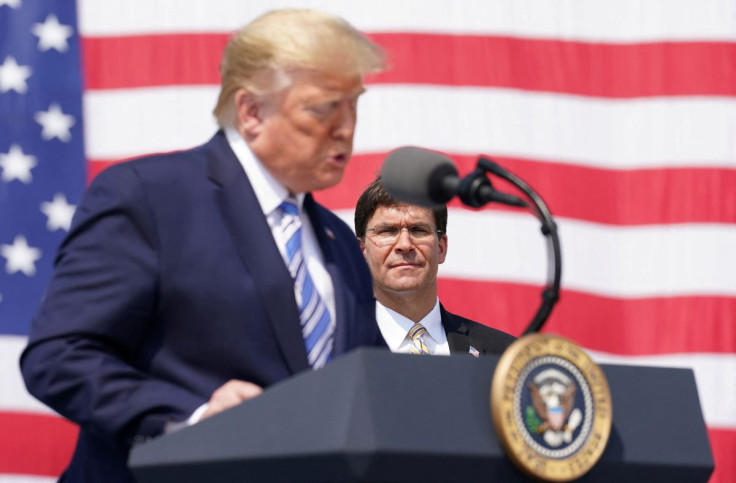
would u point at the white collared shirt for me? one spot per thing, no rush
(270, 194)
(395, 326)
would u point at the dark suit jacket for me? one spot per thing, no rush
(168, 285)
(463, 333)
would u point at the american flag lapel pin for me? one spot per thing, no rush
(330, 235)
(473, 351)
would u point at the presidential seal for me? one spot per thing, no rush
(551, 407)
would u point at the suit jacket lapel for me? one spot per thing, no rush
(457, 333)
(326, 240)
(257, 250)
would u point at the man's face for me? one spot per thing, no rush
(410, 264)
(305, 133)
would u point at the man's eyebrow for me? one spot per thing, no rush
(335, 97)
(419, 224)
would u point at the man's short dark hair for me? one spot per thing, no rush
(376, 196)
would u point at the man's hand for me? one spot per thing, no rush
(230, 394)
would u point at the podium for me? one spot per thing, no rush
(371, 415)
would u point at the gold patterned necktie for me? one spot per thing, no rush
(415, 335)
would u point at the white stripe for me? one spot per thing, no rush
(298, 283)
(632, 133)
(326, 341)
(595, 20)
(13, 396)
(295, 266)
(714, 376)
(130, 122)
(638, 133)
(319, 345)
(322, 359)
(311, 321)
(307, 316)
(640, 261)
(5, 478)
(289, 226)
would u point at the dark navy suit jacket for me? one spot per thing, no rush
(168, 285)
(463, 333)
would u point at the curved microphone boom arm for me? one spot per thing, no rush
(428, 178)
(551, 292)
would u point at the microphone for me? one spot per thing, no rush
(427, 178)
(420, 177)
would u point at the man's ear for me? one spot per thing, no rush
(250, 113)
(362, 245)
(442, 250)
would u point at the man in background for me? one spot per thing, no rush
(191, 280)
(403, 245)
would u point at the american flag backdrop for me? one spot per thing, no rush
(620, 113)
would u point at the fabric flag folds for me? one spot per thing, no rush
(620, 113)
(42, 175)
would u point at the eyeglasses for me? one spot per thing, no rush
(385, 235)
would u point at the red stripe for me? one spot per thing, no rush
(35, 444)
(152, 60)
(593, 69)
(96, 167)
(42, 445)
(640, 326)
(632, 197)
(723, 445)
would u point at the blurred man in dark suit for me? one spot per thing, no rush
(191, 280)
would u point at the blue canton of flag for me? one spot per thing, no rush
(42, 166)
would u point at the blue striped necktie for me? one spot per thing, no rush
(317, 325)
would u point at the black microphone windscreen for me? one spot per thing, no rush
(418, 176)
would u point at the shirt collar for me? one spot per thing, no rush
(269, 192)
(395, 326)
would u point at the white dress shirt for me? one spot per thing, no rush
(395, 326)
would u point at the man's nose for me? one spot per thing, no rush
(404, 241)
(345, 123)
